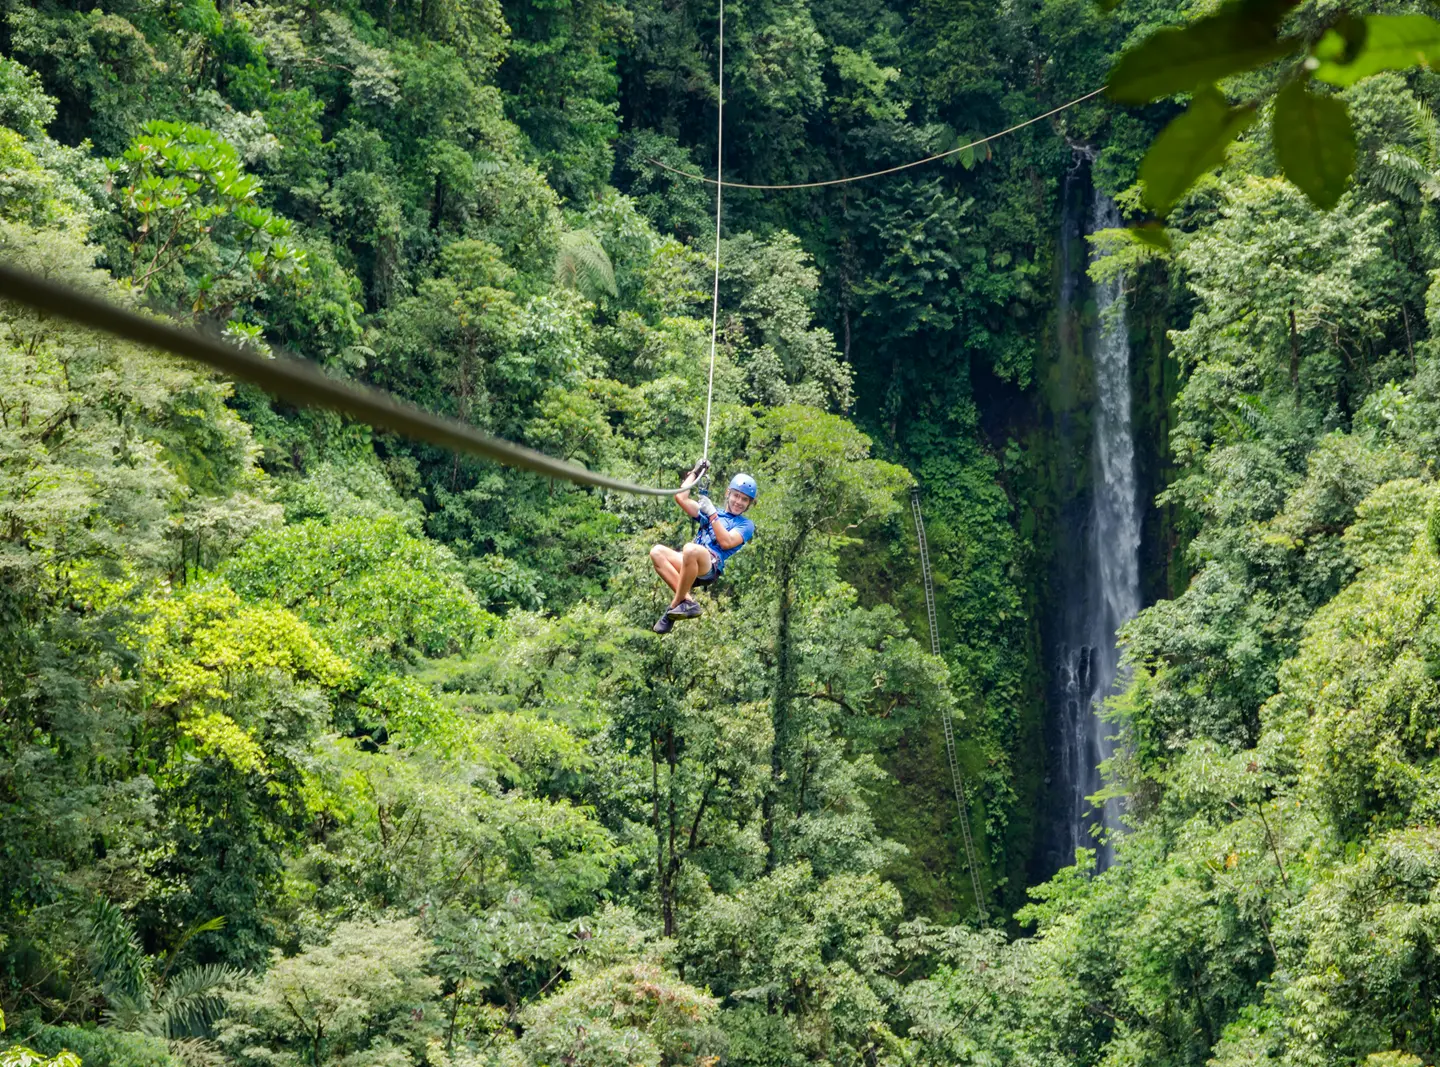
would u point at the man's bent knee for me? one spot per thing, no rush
(657, 552)
(695, 551)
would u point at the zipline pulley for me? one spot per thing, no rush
(701, 473)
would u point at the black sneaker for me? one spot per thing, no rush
(663, 625)
(686, 609)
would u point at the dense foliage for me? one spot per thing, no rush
(319, 746)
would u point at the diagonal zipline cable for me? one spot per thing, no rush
(297, 381)
(721, 183)
(947, 723)
(305, 385)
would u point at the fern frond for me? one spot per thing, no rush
(1422, 125)
(197, 1052)
(1401, 173)
(583, 265)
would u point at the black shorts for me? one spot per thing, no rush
(711, 576)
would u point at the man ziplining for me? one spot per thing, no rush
(702, 561)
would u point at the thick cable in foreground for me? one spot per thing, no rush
(719, 182)
(719, 188)
(298, 382)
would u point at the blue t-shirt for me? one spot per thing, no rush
(706, 536)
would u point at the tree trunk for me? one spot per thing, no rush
(1294, 357)
(780, 708)
(655, 821)
(667, 895)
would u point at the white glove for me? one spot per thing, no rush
(707, 508)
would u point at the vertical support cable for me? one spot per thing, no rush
(719, 187)
(956, 778)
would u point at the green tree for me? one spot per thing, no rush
(378, 592)
(363, 991)
(820, 473)
(192, 224)
(559, 83)
(101, 450)
(630, 1014)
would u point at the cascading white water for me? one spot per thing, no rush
(1108, 596)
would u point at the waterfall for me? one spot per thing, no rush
(1102, 581)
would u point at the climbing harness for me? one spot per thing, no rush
(956, 778)
(719, 182)
(298, 382)
(702, 486)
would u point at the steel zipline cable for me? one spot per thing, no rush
(720, 183)
(719, 188)
(305, 385)
(297, 381)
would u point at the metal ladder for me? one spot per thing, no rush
(956, 777)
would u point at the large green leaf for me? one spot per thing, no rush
(1154, 235)
(1392, 42)
(1239, 36)
(1342, 42)
(1314, 143)
(1192, 144)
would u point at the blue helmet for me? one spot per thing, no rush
(743, 483)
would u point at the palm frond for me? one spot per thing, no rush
(1252, 412)
(583, 265)
(130, 1014)
(121, 966)
(217, 923)
(195, 998)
